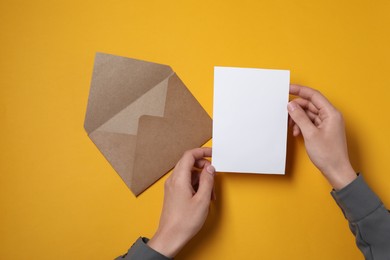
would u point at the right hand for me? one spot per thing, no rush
(322, 127)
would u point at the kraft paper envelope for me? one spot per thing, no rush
(142, 118)
(250, 120)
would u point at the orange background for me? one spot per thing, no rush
(61, 199)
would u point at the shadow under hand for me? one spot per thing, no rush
(291, 151)
(353, 148)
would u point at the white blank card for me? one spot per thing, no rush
(250, 120)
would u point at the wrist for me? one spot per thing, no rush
(168, 245)
(340, 177)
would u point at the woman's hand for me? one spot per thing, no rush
(188, 192)
(322, 127)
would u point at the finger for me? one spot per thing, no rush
(296, 130)
(206, 183)
(300, 118)
(317, 121)
(187, 161)
(314, 96)
(306, 105)
(309, 108)
(294, 127)
(314, 118)
(200, 163)
(311, 115)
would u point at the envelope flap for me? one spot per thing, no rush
(180, 103)
(151, 103)
(160, 144)
(116, 83)
(119, 151)
(162, 141)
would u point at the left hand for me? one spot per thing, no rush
(186, 202)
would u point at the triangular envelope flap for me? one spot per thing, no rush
(116, 83)
(181, 103)
(151, 103)
(162, 141)
(119, 150)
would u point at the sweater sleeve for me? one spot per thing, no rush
(141, 251)
(368, 218)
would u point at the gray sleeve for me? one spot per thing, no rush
(368, 218)
(140, 250)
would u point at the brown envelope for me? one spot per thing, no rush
(142, 118)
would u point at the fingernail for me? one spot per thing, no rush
(210, 169)
(291, 106)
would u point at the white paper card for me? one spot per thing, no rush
(250, 120)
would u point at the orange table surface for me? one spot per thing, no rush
(59, 197)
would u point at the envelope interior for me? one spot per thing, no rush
(151, 103)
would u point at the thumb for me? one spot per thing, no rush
(300, 118)
(206, 182)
